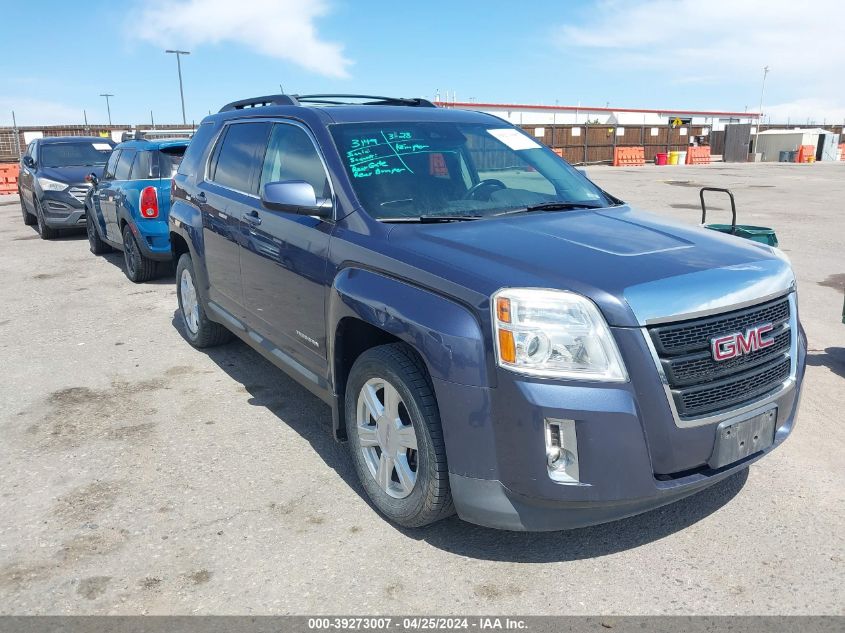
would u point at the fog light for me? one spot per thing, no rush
(562, 451)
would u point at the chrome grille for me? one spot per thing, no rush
(700, 385)
(79, 192)
(692, 335)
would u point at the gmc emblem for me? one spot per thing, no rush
(737, 344)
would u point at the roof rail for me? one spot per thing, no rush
(257, 102)
(324, 99)
(339, 99)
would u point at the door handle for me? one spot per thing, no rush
(200, 197)
(253, 218)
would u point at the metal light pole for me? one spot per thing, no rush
(179, 68)
(760, 111)
(108, 107)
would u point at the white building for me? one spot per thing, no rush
(524, 114)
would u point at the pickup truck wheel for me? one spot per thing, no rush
(44, 231)
(137, 267)
(97, 246)
(28, 218)
(199, 329)
(395, 436)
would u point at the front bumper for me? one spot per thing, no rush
(61, 210)
(632, 456)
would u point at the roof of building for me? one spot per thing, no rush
(809, 130)
(551, 108)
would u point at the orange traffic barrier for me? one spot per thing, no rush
(842, 151)
(698, 156)
(628, 156)
(8, 178)
(806, 154)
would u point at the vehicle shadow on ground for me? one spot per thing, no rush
(833, 358)
(271, 388)
(165, 275)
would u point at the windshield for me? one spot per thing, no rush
(74, 154)
(409, 170)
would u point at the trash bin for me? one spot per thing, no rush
(682, 158)
(661, 158)
(783, 157)
(673, 158)
(792, 156)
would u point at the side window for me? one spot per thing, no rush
(30, 150)
(291, 155)
(108, 172)
(240, 149)
(142, 168)
(124, 163)
(190, 165)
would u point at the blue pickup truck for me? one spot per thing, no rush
(495, 334)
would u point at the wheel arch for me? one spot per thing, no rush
(367, 309)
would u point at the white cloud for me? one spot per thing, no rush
(818, 111)
(283, 29)
(727, 40)
(30, 111)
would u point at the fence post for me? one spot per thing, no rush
(586, 134)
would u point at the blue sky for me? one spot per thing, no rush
(674, 54)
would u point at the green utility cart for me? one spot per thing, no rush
(762, 234)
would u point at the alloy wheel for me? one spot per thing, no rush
(190, 305)
(386, 438)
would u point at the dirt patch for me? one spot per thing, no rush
(494, 592)
(42, 276)
(93, 587)
(84, 504)
(836, 281)
(19, 574)
(26, 237)
(72, 416)
(200, 577)
(684, 183)
(150, 583)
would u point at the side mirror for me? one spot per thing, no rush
(92, 179)
(27, 160)
(295, 196)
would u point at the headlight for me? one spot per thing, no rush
(51, 185)
(554, 333)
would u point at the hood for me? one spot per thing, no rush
(637, 267)
(71, 175)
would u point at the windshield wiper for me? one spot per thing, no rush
(433, 219)
(552, 206)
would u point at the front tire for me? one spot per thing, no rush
(199, 329)
(97, 245)
(138, 268)
(28, 218)
(44, 231)
(395, 436)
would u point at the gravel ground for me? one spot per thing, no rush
(138, 475)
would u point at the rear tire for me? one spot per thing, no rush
(198, 328)
(46, 232)
(97, 246)
(138, 268)
(395, 436)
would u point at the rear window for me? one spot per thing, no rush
(169, 159)
(190, 163)
(143, 168)
(75, 154)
